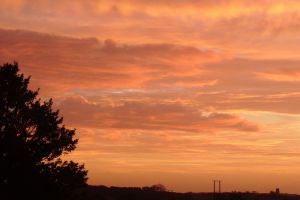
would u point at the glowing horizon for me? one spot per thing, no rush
(172, 92)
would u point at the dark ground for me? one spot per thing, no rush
(118, 193)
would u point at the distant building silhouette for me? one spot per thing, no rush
(277, 191)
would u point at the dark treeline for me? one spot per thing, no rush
(148, 193)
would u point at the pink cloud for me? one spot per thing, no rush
(149, 116)
(88, 63)
(66, 65)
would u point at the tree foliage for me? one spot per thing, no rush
(32, 139)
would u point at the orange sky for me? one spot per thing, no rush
(172, 92)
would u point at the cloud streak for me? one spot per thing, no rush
(150, 116)
(90, 63)
(250, 29)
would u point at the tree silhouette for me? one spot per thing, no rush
(158, 188)
(32, 139)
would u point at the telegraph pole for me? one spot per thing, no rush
(219, 187)
(214, 186)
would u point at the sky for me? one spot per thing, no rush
(177, 92)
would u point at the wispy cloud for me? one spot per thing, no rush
(149, 116)
(89, 63)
